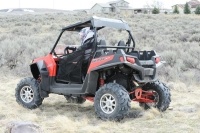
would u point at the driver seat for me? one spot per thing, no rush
(100, 51)
(88, 46)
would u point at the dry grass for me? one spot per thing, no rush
(57, 116)
(175, 37)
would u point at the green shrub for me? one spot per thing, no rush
(176, 11)
(170, 57)
(155, 11)
(197, 11)
(187, 9)
(145, 11)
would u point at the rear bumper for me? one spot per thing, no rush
(145, 74)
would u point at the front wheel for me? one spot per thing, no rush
(112, 102)
(161, 96)
(27, 93)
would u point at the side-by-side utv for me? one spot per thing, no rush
(110, 76)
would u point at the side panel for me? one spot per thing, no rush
(88, 87)
(99, 61)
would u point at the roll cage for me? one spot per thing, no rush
(97, 23)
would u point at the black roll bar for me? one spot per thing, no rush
(52, 50)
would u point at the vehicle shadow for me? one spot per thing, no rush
(76, 110)
(134, 113)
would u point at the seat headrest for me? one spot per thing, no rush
(121, 43)
(102, 42)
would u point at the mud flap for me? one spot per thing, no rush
(44, 76)
(90, 83)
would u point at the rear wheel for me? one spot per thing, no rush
(112, 102)
(162, 96)
(27, 93)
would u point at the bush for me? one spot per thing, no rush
(184, 37)
(191, 58)
(155, 11)
(187, 9)
(197, 11)
(170, 57)
(195, 38)
(176, 11)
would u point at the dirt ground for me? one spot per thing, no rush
(55, 115)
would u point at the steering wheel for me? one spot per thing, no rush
(66, 50)
(55, 53)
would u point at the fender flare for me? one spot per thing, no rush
(39, 69)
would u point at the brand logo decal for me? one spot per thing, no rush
(100, 59)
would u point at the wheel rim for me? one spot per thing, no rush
(107, 103)
(27, 94)
(156, 99)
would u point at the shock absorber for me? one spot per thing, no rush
(102, 79)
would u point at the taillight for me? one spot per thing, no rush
(130, 59)
(121, 59)
(157, 60)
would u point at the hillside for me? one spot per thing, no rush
(176, 38)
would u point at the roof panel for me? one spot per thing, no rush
(113, 23)
(116, 1)
(99, 23)
(104, 5)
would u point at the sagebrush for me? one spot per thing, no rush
(176, 38)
